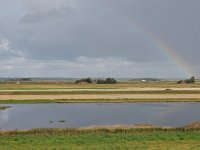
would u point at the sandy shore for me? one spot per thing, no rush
(99, 96)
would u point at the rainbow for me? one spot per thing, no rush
(182, 65)
(171, 55)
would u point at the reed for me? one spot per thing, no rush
(57, 131)
(4, 107)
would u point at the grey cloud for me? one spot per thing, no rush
(51, 30)
(84, 67)
(7, 52)
(175, 22)
(90, 33)
(54, 13)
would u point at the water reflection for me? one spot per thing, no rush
(25, 116)
(3, 117)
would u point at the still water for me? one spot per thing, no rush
(26, 116)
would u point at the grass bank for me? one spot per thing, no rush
(96, 101)
(101, 139)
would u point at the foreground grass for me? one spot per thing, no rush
(177, 139)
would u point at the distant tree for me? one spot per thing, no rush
(106, 81)
(180, 82)
(191, 80)
(110, 81)
(99, 81)
(88, 80)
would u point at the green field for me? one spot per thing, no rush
(176, 139)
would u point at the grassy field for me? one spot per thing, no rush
(162, 139)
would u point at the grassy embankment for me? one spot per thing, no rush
(176, 139)
(96, 101)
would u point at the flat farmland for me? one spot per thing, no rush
(126, 91)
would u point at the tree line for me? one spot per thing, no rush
(98, 81)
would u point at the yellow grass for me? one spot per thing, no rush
(121, 85)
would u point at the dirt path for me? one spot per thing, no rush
(99, 96)
(96, 89)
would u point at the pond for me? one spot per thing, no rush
(27, 116)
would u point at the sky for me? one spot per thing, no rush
(100, 38)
